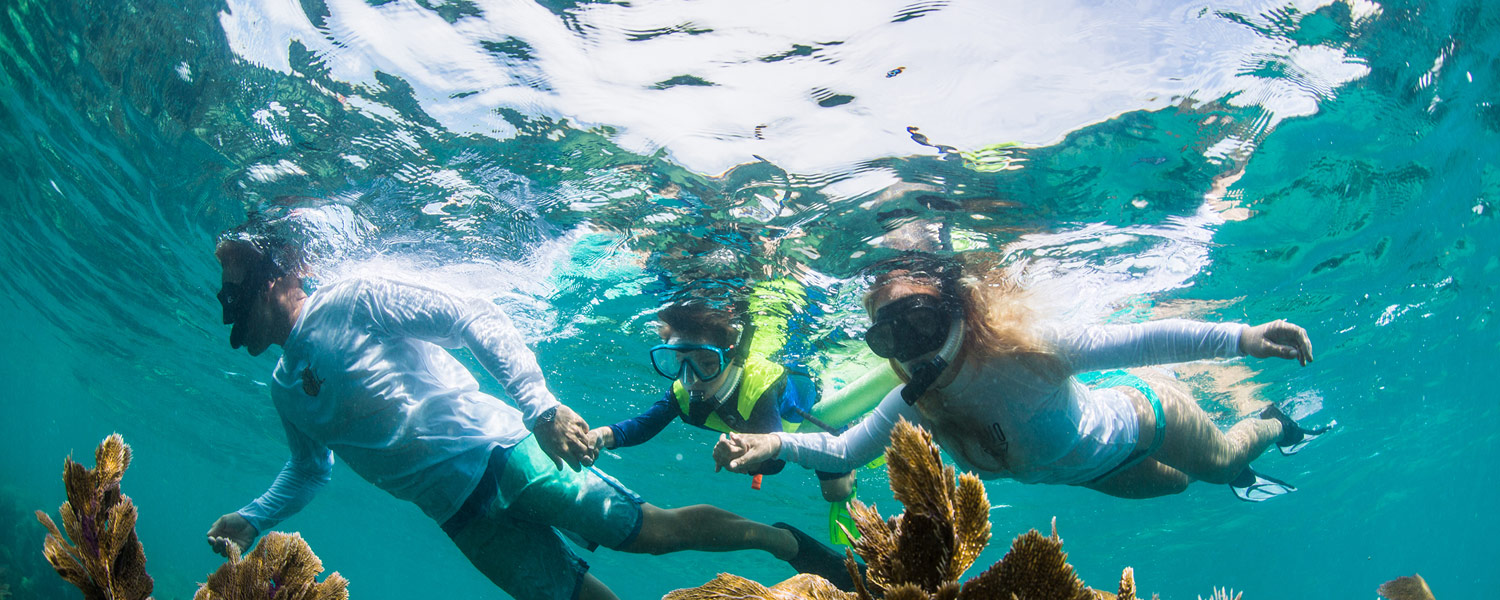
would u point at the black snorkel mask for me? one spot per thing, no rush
(920, 324)
(237, 298)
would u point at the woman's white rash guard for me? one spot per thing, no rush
(1044, 432)
(364, 374)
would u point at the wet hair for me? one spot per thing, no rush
(999, 319)
(273, 251)
(699, 319)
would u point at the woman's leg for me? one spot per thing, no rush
(1148, 479)
(1196, 447)
(837, 490)
(707, 528)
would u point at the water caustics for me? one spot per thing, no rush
(580, 161)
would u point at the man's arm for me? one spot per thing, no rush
(451, 321)
(309, 469)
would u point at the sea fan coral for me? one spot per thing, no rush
(945, 527)
(105, 559)
(920, 554)
(108, 562)
(1223, 594)
(734, 587)
(281, 567)
(1406, 588)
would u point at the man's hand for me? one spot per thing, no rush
(565, 439)
(601, 438)
(231, 529)
(1279, 339)
(742, 452)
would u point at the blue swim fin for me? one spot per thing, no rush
(1254, 487)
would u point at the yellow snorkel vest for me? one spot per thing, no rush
(758, 377)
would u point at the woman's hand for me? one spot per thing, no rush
(231, 529)
(1278, 338)
(742, 452)
(602, 438)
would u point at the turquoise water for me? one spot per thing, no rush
(1330, 163)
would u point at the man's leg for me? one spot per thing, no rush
(709, 529)
(529, 561)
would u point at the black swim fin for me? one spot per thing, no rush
(1254, 487)
(1293, 436)
(820, 559)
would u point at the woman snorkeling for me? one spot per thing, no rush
(1000, 392)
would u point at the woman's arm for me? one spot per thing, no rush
(820, 451)
(1151, 343)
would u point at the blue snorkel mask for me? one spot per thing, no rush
(705, 361)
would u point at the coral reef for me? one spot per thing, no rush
(921, 553)
(281, 567)
(1223, 594)
(105, 559)
(1406, 588)
(106, 562)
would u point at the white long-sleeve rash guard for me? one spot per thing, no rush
(364, 374)
(1044, 432)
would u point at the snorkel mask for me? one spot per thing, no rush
(921, 324)
(237, 298)
(703, 362)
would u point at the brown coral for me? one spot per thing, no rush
(1406, 588)
(281, 567)
(920, 554)
(105, 559)
(945, 527)
(108, 562)
(734, 587)
(1035, 567)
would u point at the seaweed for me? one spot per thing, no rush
(921, 553)
(105, 560)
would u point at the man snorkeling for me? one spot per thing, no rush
(364, 375)
(724, 381)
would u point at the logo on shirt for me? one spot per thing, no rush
(998, 440)
(310, 382)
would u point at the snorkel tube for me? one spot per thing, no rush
(924, 373)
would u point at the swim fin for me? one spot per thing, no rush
(819, 559)
(1254, 487)
(1293, 436)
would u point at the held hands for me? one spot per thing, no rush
(231, 529)
(601, 438)
(742, 452)
(565, 438)
(1278, 338)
